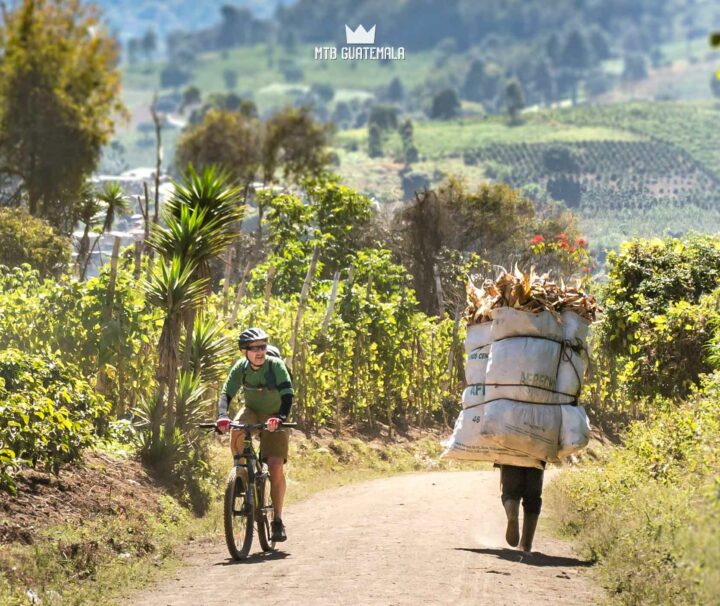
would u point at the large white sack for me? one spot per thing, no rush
(571, 372)
(575, 329)
(524, 369)
(509, 322)
(476, 365)
(474, 395)
(574, 430)
(532, 429)
(468, 444)
(478, 335)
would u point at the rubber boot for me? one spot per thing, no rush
(512, 510)
(530, 521)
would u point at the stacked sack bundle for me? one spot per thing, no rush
(527, 356)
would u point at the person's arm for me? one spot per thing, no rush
(285, 388)
(286, 401)
(230, 388)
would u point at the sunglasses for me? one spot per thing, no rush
(256, 348)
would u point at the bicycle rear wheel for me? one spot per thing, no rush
(263, 512)
(238, 514)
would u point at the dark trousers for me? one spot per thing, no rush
(522, 483)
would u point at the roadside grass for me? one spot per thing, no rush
(109, 556)
(648, 512)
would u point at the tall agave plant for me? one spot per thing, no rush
(209, 349)
(172, 289)
(200, 222)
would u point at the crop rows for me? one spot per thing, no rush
(593, 175)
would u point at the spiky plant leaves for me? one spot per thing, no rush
(210, 349)
(115, 202)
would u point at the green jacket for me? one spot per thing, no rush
(260, 393)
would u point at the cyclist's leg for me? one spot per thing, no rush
(277, 484)
(274, 447)
(236, 435)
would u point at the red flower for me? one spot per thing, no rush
(537, 239)
(562, 236)
(563, 244)
(581, 242)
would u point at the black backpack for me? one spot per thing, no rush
(270, 380)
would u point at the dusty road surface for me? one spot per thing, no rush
(433, 538)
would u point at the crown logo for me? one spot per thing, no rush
(360, 35)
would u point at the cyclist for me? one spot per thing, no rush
(268, 392)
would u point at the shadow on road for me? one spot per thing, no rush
(255, 558)
(531, 559)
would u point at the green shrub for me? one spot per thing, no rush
(649, 512)
(28, 239)
(49, 414)
(659, 308)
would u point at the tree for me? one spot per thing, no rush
(395, 91)
(27, 239)
(226, 139)
(481, 82)
(200, 223)
(575, 58)
(542, 80)
(113, 199)
(635, 68)
(173, 76)
(58, 94)
(295, 142)
(191, 96)
(374, 141)
(231, 78)
(514, 99)
(149, 44)
(384, 116)
(445, 105)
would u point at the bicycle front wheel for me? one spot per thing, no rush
(238, 514)
(263, 513)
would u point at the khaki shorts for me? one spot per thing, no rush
(273, 444)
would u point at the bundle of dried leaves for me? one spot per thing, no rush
(527, 292)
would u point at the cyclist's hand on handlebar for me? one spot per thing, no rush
(273, 423)
(223, 424)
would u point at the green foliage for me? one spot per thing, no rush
(379, 359)
(226, 139)
(654, 332)
(57, 92)
(648, 511)
(333, 218)
(71, 317)
(49, 413)
(27, 239)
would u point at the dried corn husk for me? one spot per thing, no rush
(527, 292)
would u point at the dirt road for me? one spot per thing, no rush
(434, 538)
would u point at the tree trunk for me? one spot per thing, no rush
(227, 276)
(239, 295)
(158, 158)
(301, 304)
(331, 303)
(101, 383)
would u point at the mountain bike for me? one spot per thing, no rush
(247, 496)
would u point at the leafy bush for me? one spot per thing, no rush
(649, 512)
(71, 317)
(28, 239)
(653, 338)
(49, 413)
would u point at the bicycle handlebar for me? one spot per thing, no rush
(236, 425)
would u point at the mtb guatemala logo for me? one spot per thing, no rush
(363, 47)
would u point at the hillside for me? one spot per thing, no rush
(628, 170)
